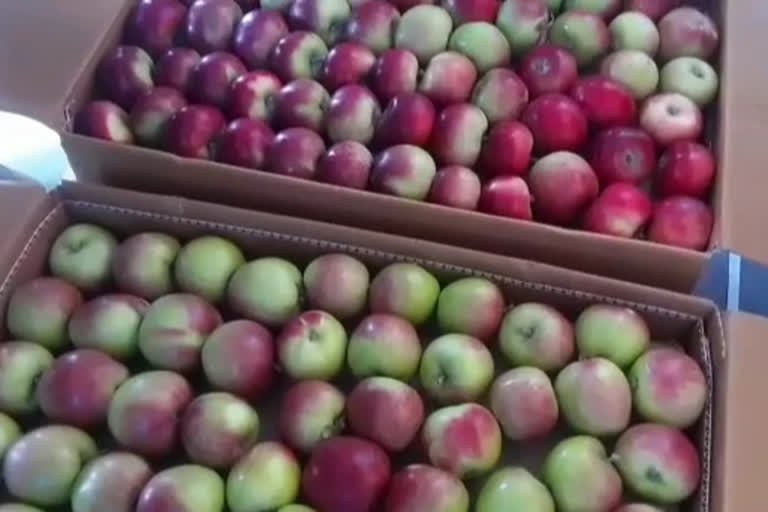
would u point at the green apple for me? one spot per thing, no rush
(143, 265)
(21, 366)
(690, 77)
(204, 266)
(9, 433)
(111, 482)
(605, 8)
(634, 69)
(266, 478)
(537, 335)
(312, 346)
(633, 30)
(384, 345)
(406, 290)
(514, 488)
(267, 290)
(293, 508)
(109, 323)
(189, 488)
(524, 23)
(472, 306)
(456, 368)
(82, 255)
(583, 33)
(483, 43)
(424, 30)
(615, 333)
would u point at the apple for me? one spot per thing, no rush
(403, 170)
(21, 365)
(352, 114)
(580, 476)
(238, 357)
(557, 123)
(683, 222)
(424, 30)
(386, 411)
(457, 187)
(253, 94)
(301, 508)
(310, 412)
(524, 402)
(658, 463)
(384, 345)
(346, 164)
(38, 311)
(406, 290)
(563, 186)
(422, 487)
(507, 149)
(448, 78)
(594, 397)
(638, 507)
(211, 24)
(549, 69)
(686, 168)
(205, 264)
(17, 507)
(605, 102)
(312, 346)
(347, 63)
(346, 474)
(256, 36)
(337, 284)
(458, 133)
(670, 118)
(514, 487)
(191, 130)
(501, 95)
(616, 333)
(267, 290)
(472, 306)
(244, 142)
(687, 32)
(462, 439)
(41, 467)
(82, 254)
(110, 482)
(654, 9)
(524, 23)
(142, 264)
(690, 77)
(301, 103)
(537, 335)
(104, 120)
(212, 78)
(276, 5)
(395, 72)
(634, 31)
(468, 11)
(483, 43)
(507, 196)
(622, 209)
(151, 112)
(186, 488)
(154, 25)
(124, 74)
(623, 155)
(298, 54)
(295, 152)
(583, 33)
(456, 368)
(605, 8)
(372, 25)
(408, 119)
(174, 68)
(323, 17)
(404, 5)
(633, 69)
(10, 432)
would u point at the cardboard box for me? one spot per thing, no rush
(731, 350)
(82, 31)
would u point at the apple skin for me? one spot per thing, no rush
(301, 103)
(405, 171)
(523, 23)
(524, 402)
(622, 209)
(326, 18)
(422, 487)
(557, 123)
(395, 72)
(205, 264)
(298, 54)
(405, 5)
(638, 507)
(457, 137)
(605, 102)
(605, 8)
(337, 284)
(424, 30)
(668, 387)
(124, 74)
(457, 187)
(82, 254)
(104, 120)
(217, 429)
(654, 9)
(110, 482)
(464, 440)
(192, 129)
(501, 95)
(212, 78)
(687, 32)
(472, 306)
(21, 365)
(142, 264)
(513, 488)
(670, 118)
(151, 113)
(346, 474)
(238, 357)
(456, 368)
(582, 33)
(507, 196)
(683, 222)
(386, 411)
(581, 477)
(406, 290)
(109, 323)
(594, 397)
(184, 488)
(507, 149)
(346, 164)
(484, 44)
(537, 335)
(686, 168)
(634, 31)
(448, 78)
(384, 345)
(18, 507)
(615, 333)
(10, 432)
(154, 25)
(347, 63)
(267, 290)
(38, 311)
(310, 412)
(256, 36)
(658, 463)
(352, 114)
(623, 154)
(690, 77)
(303, 508)
(468, 11)
(549, 69)
(295, 152)
(276, 5)
(253, 94)
(372, 25)
(633, 69)
(312, 346)
(210, 24)
(408, 119)
(174, 68)
(555, 174)
(244, 143)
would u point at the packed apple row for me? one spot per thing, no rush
(459, 104)
(447, 406)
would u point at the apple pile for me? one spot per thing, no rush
(592, 120)
(150, 376)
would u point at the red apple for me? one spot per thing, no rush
(654, 9)
(501, 95)
(422, 487)
(683, 222)
(457, 137)
(621, 210)
(605, 102)
(563, 186)
(584, 33)
(373, 25)
(408, 119)
(557, 123)
(395, 72)
(347, 164)
(301, 103)
(670, 118)
(467, 11)
(507, 149)
(104, 120)
(253, 94)
(174, 68)
(623, 154)
(212, 78)
(507, 196)
(256, 35)
(448, 78)
(352, 114)
(549, 69)
(211, 23)
(404, 171)
(347, 63)
(298, 55)
(154, 25)
(524, 402)
(685, 169)
(687, 32)
(151, 112)
(244, 142)
(124, 74)
(311, 412)
(191, 130)
(295, 152)
(456, 186)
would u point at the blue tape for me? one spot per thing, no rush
(733, 297)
